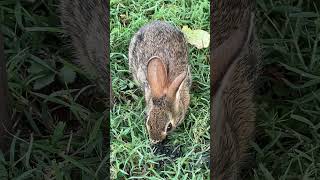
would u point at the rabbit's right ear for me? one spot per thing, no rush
(157, 76)
(175, 86)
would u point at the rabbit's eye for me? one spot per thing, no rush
(169, 127)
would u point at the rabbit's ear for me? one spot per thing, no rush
(227, 54)
(175, 85)
(157, 77)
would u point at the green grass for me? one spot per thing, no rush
(57, 132)
(288, 135)
(131, 151)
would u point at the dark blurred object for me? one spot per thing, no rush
(6, 124)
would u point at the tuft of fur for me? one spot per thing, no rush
(86, 22)
(234, 73)
(163, 47)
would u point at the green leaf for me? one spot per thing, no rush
(18, 14)
(3, 171)
(28, 154)
(31, 121)
(25, 175)
(44, 81)
(266, 172)
(58, 132)
(36, 68)
(198, 37)
(95, 130)
(67, 75)
(57, 170)
(48, 65)
(77, 164)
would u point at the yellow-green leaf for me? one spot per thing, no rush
(198, 37)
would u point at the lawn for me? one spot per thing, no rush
(131, 152)
(56, 113)
(288, 135)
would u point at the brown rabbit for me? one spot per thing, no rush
(234, 71)
(158, 60)
(87, 24)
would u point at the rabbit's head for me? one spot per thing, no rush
(166, 100)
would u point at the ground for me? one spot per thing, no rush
(287, 143)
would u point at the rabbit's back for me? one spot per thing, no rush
(238, 117)
(227, 16)
(237, 109)
(86, 23)
(158, 39)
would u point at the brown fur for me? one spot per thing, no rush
(235, 66)
(166, 79)
(87, 24)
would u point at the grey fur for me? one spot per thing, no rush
(87, 24)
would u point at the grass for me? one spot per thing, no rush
(131, 152)
(288, 121)
(57, 132)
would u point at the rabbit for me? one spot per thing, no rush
(86, 22)
(235, 67)
(158, 61)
